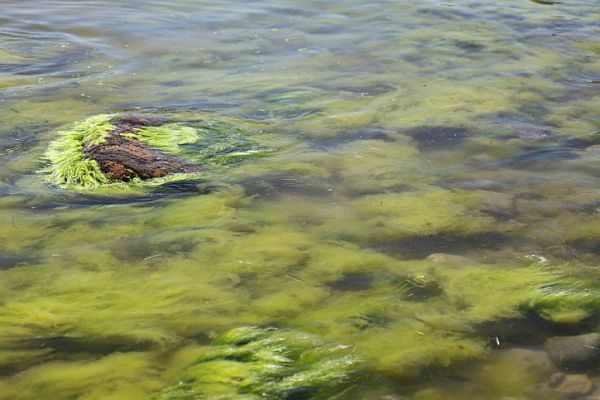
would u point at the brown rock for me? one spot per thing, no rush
(122, 157)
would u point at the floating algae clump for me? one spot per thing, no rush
(262, 363)
(123, 151)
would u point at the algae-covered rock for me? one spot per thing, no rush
(111, 150)
(263, 363)
(122, 156)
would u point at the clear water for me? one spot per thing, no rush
(435, 180)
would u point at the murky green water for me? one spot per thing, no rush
(431, 198)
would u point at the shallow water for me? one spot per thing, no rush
(432, 198)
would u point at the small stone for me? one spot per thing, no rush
(568, 350)
(556, 379)
(516, 368)
(540, 391)
(449, 259)
(574, 386)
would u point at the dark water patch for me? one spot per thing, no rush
(371, 134)
(294, 11)
(511, 120)
(279, 183)
(352, 282)
(287, 103)
(545, 2)
(283, 113)
(186, 187)
(16, 142)
(532, 329)
(54, 66)
(502, 213)
(369, 90)
(201, 338)
(8, 261)
(416, 59)
(446, 13)
(438, 137)
(156, 198)
(301, 393)
(175, 84)
(213, 62)
(176, 105)
(51, 348)
(361, 192)
(140, 249)
(530, 134)
(468, 46)
(477, 184)
(578, 82)
(591, 246)
(590, 208)
(418, 247)
(583, 142)
(530, 196)
(536, 110)
(76, 202)
(532, 157)
(70, 345)
(323, 29)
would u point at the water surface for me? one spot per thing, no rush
(432, 199)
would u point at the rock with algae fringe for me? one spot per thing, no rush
(263, 363)
(123, 151)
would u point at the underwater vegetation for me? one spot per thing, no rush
(263, 363)
(219, 260)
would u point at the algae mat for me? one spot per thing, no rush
(384, 201)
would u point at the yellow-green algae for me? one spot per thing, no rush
(216, 261)
(262, 363)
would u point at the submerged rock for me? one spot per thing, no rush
(563, 386)
(570, 350)
(122, 156)
(517, 368)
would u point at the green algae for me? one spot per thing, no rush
(250, 362)
(70, 168)
(395, 216)
(116, 376)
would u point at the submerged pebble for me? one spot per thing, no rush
(562, 386)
